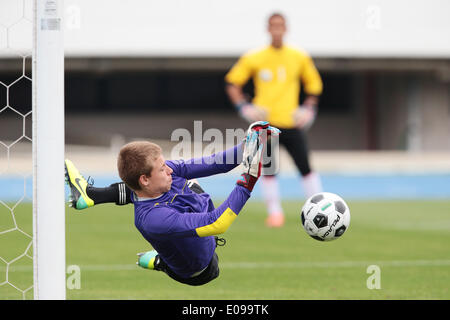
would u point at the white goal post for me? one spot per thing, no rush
(48, 151)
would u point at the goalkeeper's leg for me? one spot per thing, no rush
(271, 190)
(296, 144)
(84, 195)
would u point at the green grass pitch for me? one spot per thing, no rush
(408, 240)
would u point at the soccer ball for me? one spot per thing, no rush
(325, 216)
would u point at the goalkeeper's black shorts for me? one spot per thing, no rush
(210, 273)
(294, 140)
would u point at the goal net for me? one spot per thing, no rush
(32, 240)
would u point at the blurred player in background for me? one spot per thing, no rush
(277, 71)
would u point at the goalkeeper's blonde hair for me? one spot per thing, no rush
(136, 159)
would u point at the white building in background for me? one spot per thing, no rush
(395, 55)
(326, 28)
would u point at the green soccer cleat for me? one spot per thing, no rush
(148, 260)
(78, 198)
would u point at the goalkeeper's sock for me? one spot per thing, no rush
(117, 193)
(271, 193)
(311, 184)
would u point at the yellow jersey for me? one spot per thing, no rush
(277, 74)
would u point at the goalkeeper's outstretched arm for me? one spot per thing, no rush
(220, 162)
(166, 222)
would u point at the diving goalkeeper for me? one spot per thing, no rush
(180, 222)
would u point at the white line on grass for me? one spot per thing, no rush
(335, 264)
(268, 265)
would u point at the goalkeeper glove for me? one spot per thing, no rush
(250, 112)
(304, 116)
(255, 143)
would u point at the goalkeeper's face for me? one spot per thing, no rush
(160, 179)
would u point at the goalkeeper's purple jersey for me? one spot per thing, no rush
(181, 224)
